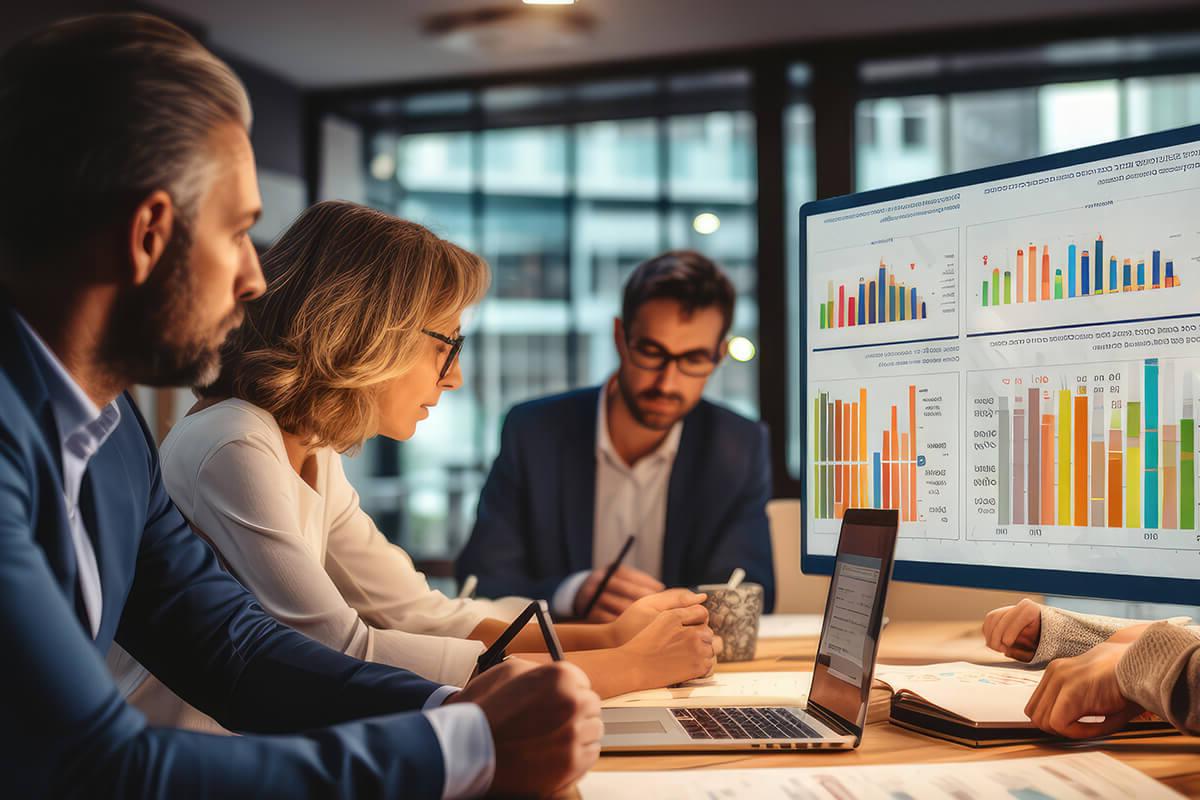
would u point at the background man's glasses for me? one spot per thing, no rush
(649, 356)
(455, 343)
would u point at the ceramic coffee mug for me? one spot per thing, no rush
(733, 615)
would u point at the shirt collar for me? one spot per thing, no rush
(604, 445)
(82, 427)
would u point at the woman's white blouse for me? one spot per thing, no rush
(312, 557)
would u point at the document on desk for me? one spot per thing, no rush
(1082, 776)
(973, 691)
(723, 689)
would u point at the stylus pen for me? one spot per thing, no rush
(612, 568)
(553, 646)
(496, 653)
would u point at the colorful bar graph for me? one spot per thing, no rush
(884, 299)
(1049, 279)
(847, 474)
(1057, 466)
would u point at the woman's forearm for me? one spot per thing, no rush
(572, 637)
(611, 671)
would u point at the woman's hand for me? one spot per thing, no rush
(638, 616)
(1014, 630)
(677, 646)
(1083, 686)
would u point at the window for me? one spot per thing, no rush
(915, 135)
(800, 188)
(564, 190)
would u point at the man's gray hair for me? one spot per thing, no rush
(95, 114)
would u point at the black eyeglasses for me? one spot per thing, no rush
(455, 345)
(648, 355)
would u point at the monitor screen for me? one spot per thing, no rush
(1010, 358)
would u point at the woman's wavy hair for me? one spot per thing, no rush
(349, 290)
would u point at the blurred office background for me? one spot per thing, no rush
(567, 144)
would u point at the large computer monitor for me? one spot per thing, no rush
(1011, 358)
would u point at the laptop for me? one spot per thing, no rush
(836, 709)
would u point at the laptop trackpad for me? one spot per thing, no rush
(631, 728)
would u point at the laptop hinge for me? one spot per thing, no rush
(830, 719)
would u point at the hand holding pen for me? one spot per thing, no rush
(608, 591)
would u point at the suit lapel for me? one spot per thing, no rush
(579, 481)
(108, 514)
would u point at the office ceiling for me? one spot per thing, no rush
(321, 43)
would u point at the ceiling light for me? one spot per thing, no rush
(383, 166)
(495, 29)
(706, 223)
(741, 349)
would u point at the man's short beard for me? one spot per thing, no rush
(152, 338)
(635, 411)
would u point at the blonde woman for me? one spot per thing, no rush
(356, 336)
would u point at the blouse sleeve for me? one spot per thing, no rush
(245, 504)
(379, 579)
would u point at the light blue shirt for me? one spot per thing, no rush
(462, 730)
(82, 430)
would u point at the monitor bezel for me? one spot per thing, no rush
(1023, 579)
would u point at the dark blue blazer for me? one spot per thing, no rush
(536, 512)
(67, 732)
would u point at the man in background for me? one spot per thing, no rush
(641, 455)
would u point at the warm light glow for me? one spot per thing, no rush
(549, 2)
(706, 223)
(383, 167)
(741, 348)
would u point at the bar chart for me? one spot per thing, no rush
(1073, 274)
(890, 289)
(1107, 262)
(886, 445)
(1099, 446)
(880, 300)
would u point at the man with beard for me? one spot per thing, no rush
(642, 455)
(129, 191)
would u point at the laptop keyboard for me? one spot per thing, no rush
(743, 723)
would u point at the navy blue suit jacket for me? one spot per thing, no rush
(536, 512)
(67, 732)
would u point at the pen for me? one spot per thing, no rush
(553, 646)
(468, 588)
(496, 653)
(612, 568)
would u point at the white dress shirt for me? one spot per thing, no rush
(82, 430)
(629, 500)
(316, 562)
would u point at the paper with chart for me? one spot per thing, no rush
(1082, 776)
(972, 691)
(723, 689)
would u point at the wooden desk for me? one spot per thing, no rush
(1174, 760)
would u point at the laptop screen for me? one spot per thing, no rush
(845, 660)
